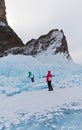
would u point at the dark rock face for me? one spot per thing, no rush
(52, 43)
(63, 48)
(55, 41)
(8, 38)
(3, 11)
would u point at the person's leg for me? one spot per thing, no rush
(49, 85)
(51, 88)
(32, 79)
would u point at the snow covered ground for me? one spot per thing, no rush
(30, 106)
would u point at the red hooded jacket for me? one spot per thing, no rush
(49, 76)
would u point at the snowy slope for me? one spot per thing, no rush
(30, 106)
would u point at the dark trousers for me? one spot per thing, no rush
(50, 88)
(32, 79)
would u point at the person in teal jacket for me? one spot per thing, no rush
(31, 76)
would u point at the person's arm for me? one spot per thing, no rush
(47, 78)
(53, 75)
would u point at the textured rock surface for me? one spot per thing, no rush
(8, 38)
(3, 11)
(52, 43)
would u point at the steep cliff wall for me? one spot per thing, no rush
(8, 38)
(3, 11)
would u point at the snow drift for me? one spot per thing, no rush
(29, 106)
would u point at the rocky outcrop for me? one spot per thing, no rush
(3, 11)
(8, 38)
(52, 43)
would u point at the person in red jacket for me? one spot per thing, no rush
(49, 80)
